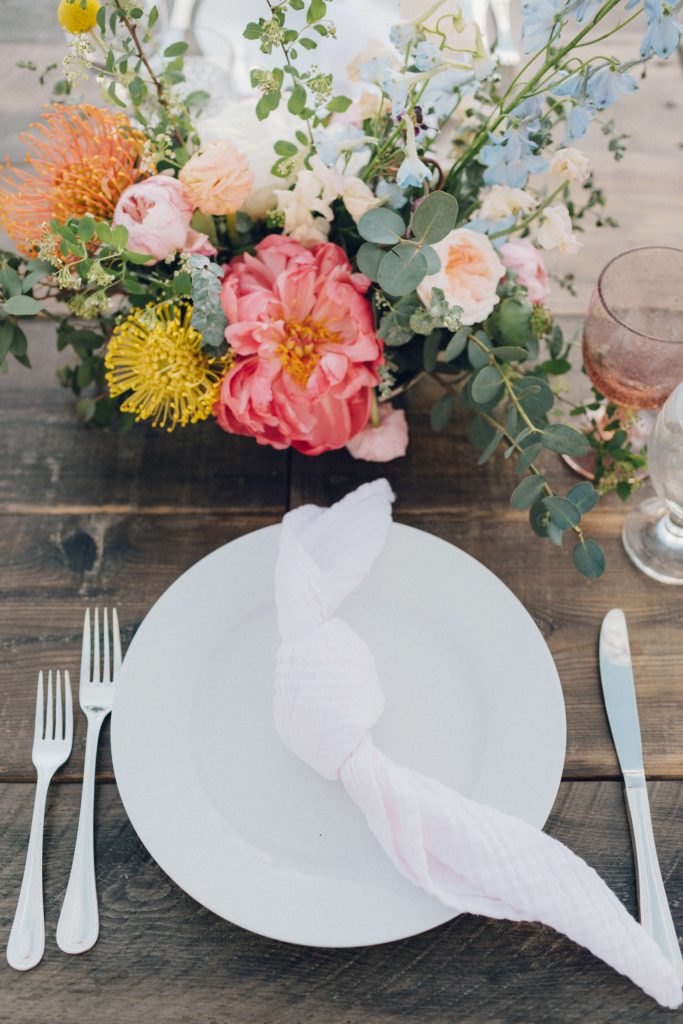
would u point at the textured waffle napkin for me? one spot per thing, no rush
(471, 857)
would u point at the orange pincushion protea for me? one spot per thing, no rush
(79, 161)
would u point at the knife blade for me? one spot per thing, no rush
(619, 693)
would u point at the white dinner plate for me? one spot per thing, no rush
(254, 834)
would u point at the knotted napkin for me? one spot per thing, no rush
(471, 857)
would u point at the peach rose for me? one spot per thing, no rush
(469, 274)
(157, 213)
(526, 261)
(218, 178)
(383, 441)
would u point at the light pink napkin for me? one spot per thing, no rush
(471, 857)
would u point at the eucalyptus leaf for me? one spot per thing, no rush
(10, 282)
(368, 258)
(563, 512)
(529, 455)
(457, 344)
(476, 355)
(535, 396)
(401, 269)
(584, 496)
(435, 217)
(442, 412)
(207, 313)
(430, 351)
(538, 518)
(490, 447)
(22, 305)
(486, 384)
(589, 558)
(510, 353)
(527, 491)
(6, 335)
(433, 259)
(383, 226)
(558, 437)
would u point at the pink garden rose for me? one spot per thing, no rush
(157, 213)
(306, 352)
(383, 441)
(524, 258)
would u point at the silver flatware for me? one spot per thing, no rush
(52, 739)
(619, 693)
(79, 921)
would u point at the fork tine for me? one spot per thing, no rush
(85, 653)
(106, 674)
(116, 634)
(95, 678)
(40, 721)
(59, 729)
(68, 711)
(49, 721)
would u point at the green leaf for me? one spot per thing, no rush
(268, 102)
(137, 90)
(401, 269)
(538, 518)
(252, 31)
(529, 455)
(392, 332)
(308, 44)
(175, 49)
(527, 491)
(534, 395)
(119, 236)
(207, 313)
(563, 512)
(433, 259)
(297, 101)
(430, 351)
(316, 11)
(284, 148)
(442, 412)
(435, 217)
(6, 336)
(368, 259)
(558, 437)
(490, 448)
(589, 558)
(584, 496)
(10, 282)
(85, 409)
(383, 226)
(339, 104)
(457, 344)
(476, 356)
(486, 384)
(22, 305)
(510, 353)
(182, 283)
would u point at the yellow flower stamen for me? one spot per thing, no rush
(78, 15)
(156, 354)
(300, 351)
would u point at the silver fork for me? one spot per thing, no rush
(79, 921)
(52, 738)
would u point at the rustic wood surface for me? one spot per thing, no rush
(90, 518)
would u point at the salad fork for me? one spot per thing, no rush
(79, 921)
(52, 739)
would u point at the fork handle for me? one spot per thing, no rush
(26, 943)
(79, 921)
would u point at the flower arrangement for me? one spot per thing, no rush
(292, 267)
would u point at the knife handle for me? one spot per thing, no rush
(653, 905)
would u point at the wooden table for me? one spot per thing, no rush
(91, 518)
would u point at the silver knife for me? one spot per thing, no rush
(619, 693)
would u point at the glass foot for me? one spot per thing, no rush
(654, 543)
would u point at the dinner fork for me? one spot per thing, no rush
(52, 738)
(79, 921)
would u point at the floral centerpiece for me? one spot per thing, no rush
(292, 266)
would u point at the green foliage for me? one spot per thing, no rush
(207, 313)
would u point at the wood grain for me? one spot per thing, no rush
(164, 958)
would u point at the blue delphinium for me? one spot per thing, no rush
(493, 227)
(510, 159)
(426, 56)
(331, 143)
(412, 171)
(444, 89)
(663, 31)
(607, 84)
(539, 24)
(395, 86)
(393, 194)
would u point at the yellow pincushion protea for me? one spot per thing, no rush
(156, 354)
(78, 15)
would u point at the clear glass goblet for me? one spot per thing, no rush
(653, 533)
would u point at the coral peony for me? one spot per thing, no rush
(79, 160)
(524, 258)
(306, 352)
(469, 274)
(383, 441)
(218, 178)
(157, 214)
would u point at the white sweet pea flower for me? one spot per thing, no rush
(308, 206)
(503, 201)
(556, 232)
(570, 165)
(358, 198)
